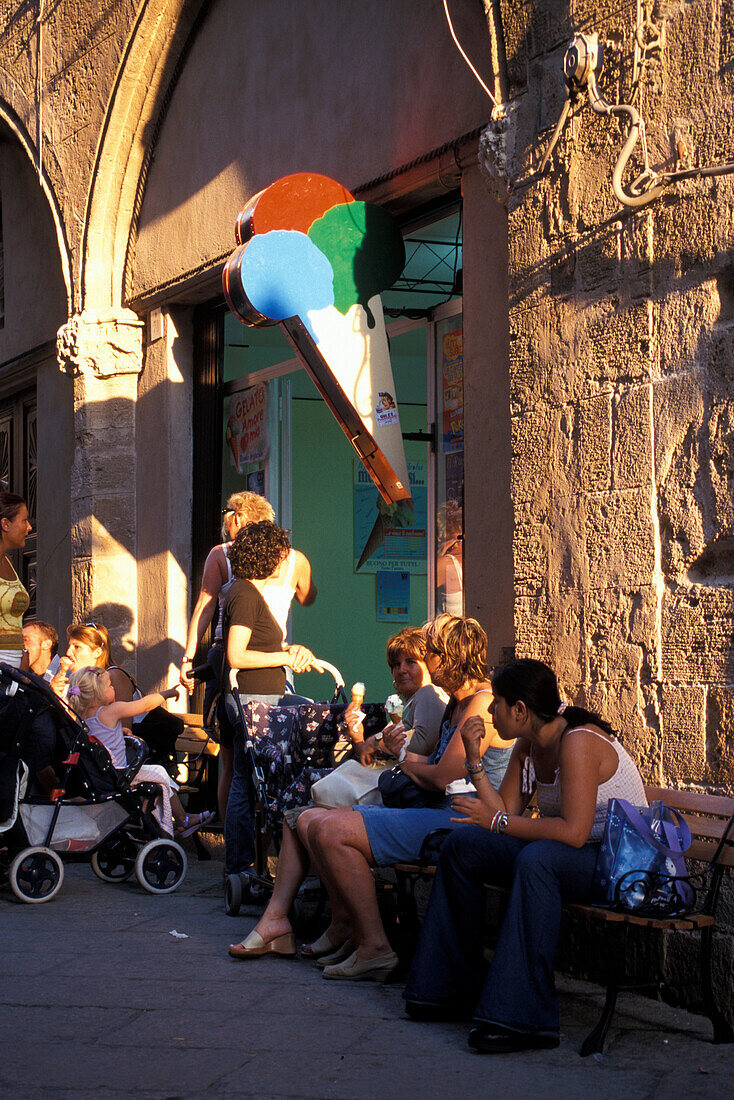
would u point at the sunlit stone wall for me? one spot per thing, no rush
(621, 368)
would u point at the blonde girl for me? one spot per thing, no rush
(91, 695)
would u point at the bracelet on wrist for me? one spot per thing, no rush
(473, 769)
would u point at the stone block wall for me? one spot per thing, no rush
(621, 328)
(622, 404)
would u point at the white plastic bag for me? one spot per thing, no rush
(351, 784)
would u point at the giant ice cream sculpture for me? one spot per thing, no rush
(314, 260)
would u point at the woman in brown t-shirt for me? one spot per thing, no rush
(254, 645)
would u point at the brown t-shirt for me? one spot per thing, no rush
(245, 606)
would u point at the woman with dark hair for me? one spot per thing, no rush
(37, 738)
(346, 844)
(254, 645)
(293, 580)
(14, 529)
(570, 758)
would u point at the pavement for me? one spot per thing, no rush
(100, 999)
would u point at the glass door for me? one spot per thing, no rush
(448, 351)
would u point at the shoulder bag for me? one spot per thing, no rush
(641, 867)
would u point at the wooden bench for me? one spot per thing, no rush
(198, 753)
(711, 821)
(194, 741)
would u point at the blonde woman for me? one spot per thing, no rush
(346, 844)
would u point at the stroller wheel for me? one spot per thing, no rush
(114, 861)
(36, 875)
(161, 866)
(255, 892)
(232, 895)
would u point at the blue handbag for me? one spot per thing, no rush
(641, 867)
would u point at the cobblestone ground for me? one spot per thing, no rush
(99, 999)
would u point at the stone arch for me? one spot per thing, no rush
(17, 127)
(147, 67)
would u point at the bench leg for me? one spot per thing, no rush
(722, 1029)
(594, 1041)
(407, 915)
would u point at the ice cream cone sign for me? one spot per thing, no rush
(314, 260)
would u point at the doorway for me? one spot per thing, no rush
(377, 568)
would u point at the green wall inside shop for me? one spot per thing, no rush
(341, 625)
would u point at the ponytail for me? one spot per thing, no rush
(535, 684)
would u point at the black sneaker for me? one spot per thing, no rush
(491, 1039)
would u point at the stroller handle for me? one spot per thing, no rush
(321, 666)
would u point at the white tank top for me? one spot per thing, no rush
(218, 637)
(278, 594)
(625, 783)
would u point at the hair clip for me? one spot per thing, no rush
(74, 690)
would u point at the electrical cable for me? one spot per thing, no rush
(461, 51)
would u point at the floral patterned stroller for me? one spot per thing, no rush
(288, 749)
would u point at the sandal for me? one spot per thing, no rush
(188, 828)
(322, 946)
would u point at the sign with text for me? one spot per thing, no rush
(452, 375)
(246, 426)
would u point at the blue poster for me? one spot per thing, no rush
(390, 537)
(392, 591)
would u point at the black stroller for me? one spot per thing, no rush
(288, 749)
(94, 815)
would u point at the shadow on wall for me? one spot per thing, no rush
(125, 487)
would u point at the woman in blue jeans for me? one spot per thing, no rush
(572, 761)
(254, 645)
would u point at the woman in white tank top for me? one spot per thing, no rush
(570, 758)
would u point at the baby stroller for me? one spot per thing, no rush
(94, 815)
(288, 749)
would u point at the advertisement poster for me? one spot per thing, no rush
(246, 426)
(390, 537)
(393, 597)
(452, 377)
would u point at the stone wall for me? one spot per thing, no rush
(621, 328)
(621, 325)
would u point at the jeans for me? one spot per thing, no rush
(239, 832)
(518, 991)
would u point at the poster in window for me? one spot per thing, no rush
(246, 426)
(392, 592)
(452, 379)
(390, 537)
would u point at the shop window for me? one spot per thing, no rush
(18, 468)
(449, 573)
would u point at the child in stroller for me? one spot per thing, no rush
(93, 813)
(92, 696)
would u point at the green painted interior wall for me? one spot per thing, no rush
(341, 626)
